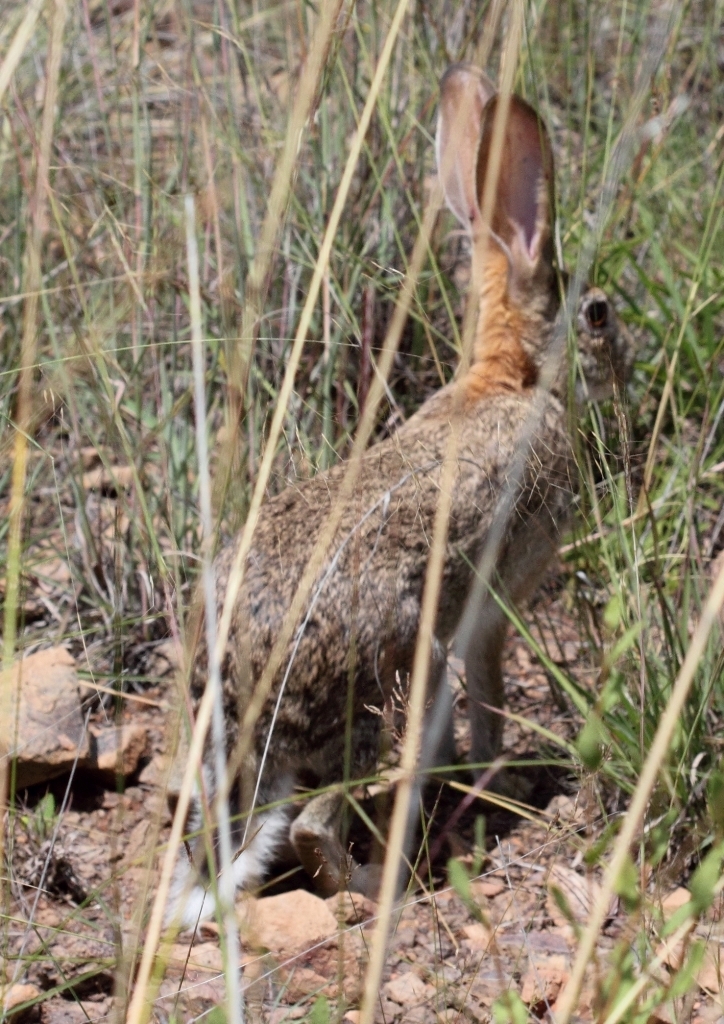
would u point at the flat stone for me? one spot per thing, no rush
(408, 989)
(43, 728)
(287, 924)
(15, 997)
(479, 937)
(118, 751)
(119, 478)
(351, 907)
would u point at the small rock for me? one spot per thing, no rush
(169, 655)
(44, 730)
(543, 980)
(282, 1013)
(204, 957)
(50, 574)
(407, 989)
(15, 997)
(351, 907)
(119, 751)
(479, 937)
(581, 895)
(289, 923)
(450, 1016)
(566, 809)
(303, 982)
(352, 1016)
(488, 887)
(673, 900)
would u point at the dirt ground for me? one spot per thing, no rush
(77, 895)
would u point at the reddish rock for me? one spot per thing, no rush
(287, 924)
(119, 750)
(43, 727)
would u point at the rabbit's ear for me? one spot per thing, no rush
(524, 208)
(464, 94)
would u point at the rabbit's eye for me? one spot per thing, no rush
(597, 314)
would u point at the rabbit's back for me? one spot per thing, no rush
(362, 618)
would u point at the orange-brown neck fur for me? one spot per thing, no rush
(500, 362)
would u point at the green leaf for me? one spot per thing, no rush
(715, 800)
(627, 886)
(705, 878)
(320, 1011)
(678, 918)
(561, 901)
(460, 880)
(684, 977)
(479, 854)
(613, 612)
(590, 743)
(509, 1008)
(45, 815)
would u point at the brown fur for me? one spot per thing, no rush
(500, 361)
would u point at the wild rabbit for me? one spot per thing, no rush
(361, 624)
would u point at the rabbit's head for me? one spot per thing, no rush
(496, 167)
(605, 348)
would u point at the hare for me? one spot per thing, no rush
(360, 629)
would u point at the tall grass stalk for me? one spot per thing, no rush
(225, 883)
(436, 562)
(28, 357)
(266, 246)
(135, 1015)
(22, 37)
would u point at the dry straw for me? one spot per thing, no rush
(260, 269)
(22, 37)
(140, 1003)
(431, 593)
(24, 407)
(226, 879)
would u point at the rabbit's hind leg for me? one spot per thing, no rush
(192, 898)
(315, 836)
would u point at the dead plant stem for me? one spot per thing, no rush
(29, 345)
(435, 566)
(139, 1007)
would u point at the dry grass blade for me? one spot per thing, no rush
(433, 577)
(273, 218)
(135, 1014)
(21, 39)
(225, 883)
(28, 357)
